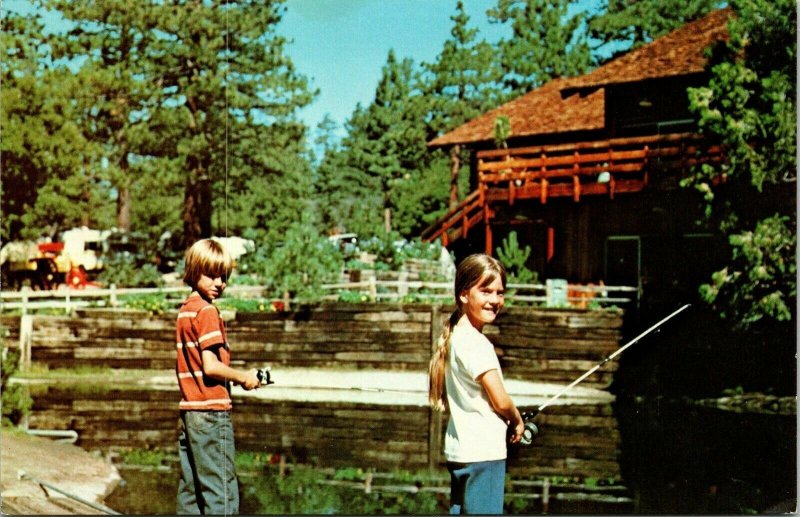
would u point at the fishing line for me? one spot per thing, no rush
(531, 431)
(227, 68)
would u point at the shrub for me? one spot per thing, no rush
(124, 271)
(16, 402)
(514, 259)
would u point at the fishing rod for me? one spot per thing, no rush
(531, 430)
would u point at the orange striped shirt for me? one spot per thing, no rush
(199, 327)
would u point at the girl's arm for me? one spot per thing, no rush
(213, 367)
(502, 403)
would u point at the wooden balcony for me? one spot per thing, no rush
(537, 174)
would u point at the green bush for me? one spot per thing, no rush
(514, 258)
(154, 303)
(124, 271)
(16, 402)
(300, 264)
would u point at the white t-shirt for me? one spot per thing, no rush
(475, 432)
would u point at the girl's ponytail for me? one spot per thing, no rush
(437, 393)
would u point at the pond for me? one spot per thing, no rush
(656, 457)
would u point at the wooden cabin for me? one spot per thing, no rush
(590, 176)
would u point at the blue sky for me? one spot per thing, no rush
(341, 45)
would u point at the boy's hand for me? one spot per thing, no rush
(251, 380)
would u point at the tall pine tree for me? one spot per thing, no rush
(618, 26)
(547, 42)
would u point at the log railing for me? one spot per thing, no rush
(606, 167)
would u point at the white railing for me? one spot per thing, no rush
(556, 293)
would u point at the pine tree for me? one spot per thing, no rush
(619, 25)
(51, 178)
(547, 42)
(464, 80)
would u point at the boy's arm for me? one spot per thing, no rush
(213, 367)
(501, 402)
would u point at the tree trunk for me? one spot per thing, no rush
(196, 206)
(455, 165)
(124, 209)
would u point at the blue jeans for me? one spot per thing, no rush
(477, 488)
(208, 482)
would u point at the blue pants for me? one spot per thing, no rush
(477, 488)
(208, 482)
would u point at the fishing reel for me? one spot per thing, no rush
(531, 430)
(264, 376)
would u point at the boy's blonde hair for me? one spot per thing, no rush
(473, 270)
(206, 257)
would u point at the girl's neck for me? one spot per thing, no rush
(468, 321)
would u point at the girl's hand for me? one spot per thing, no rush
(515, 432)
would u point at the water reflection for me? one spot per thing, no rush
(673, 458)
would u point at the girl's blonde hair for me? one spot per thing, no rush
(475, 269)
(206, 257)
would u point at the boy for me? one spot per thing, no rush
(208, 482)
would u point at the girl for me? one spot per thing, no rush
(465, 376)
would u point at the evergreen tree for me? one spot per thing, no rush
(619, 25)
(111, 40)
(231, 94)
(50, 172)
(464, 80)
(547, 42)
(385, 142)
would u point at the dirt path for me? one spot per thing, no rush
(68, 467)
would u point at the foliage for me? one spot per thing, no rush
(750, 107)
(464, 79)
(300, 264)
(502, 131)
(125, 271)
(51, 176)
(760, 282)
(154, 303)
(421, 197)
(16, 403)
(619, 25)
(514, 259)
(246, 305)
(302, 490)
(176, 101)
(146, 457)
(547, 42)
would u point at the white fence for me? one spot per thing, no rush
(554, 293)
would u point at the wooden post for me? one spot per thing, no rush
(434, 417)
(25, 290)
(487, 220)
(368, 482)
(546, 496)
(25, 342)
(402, 288)
(373, 289)
(455, 165)
(112, 299)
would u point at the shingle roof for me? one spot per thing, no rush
(578, 103)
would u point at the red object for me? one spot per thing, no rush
(51, 247)
(76, 278)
